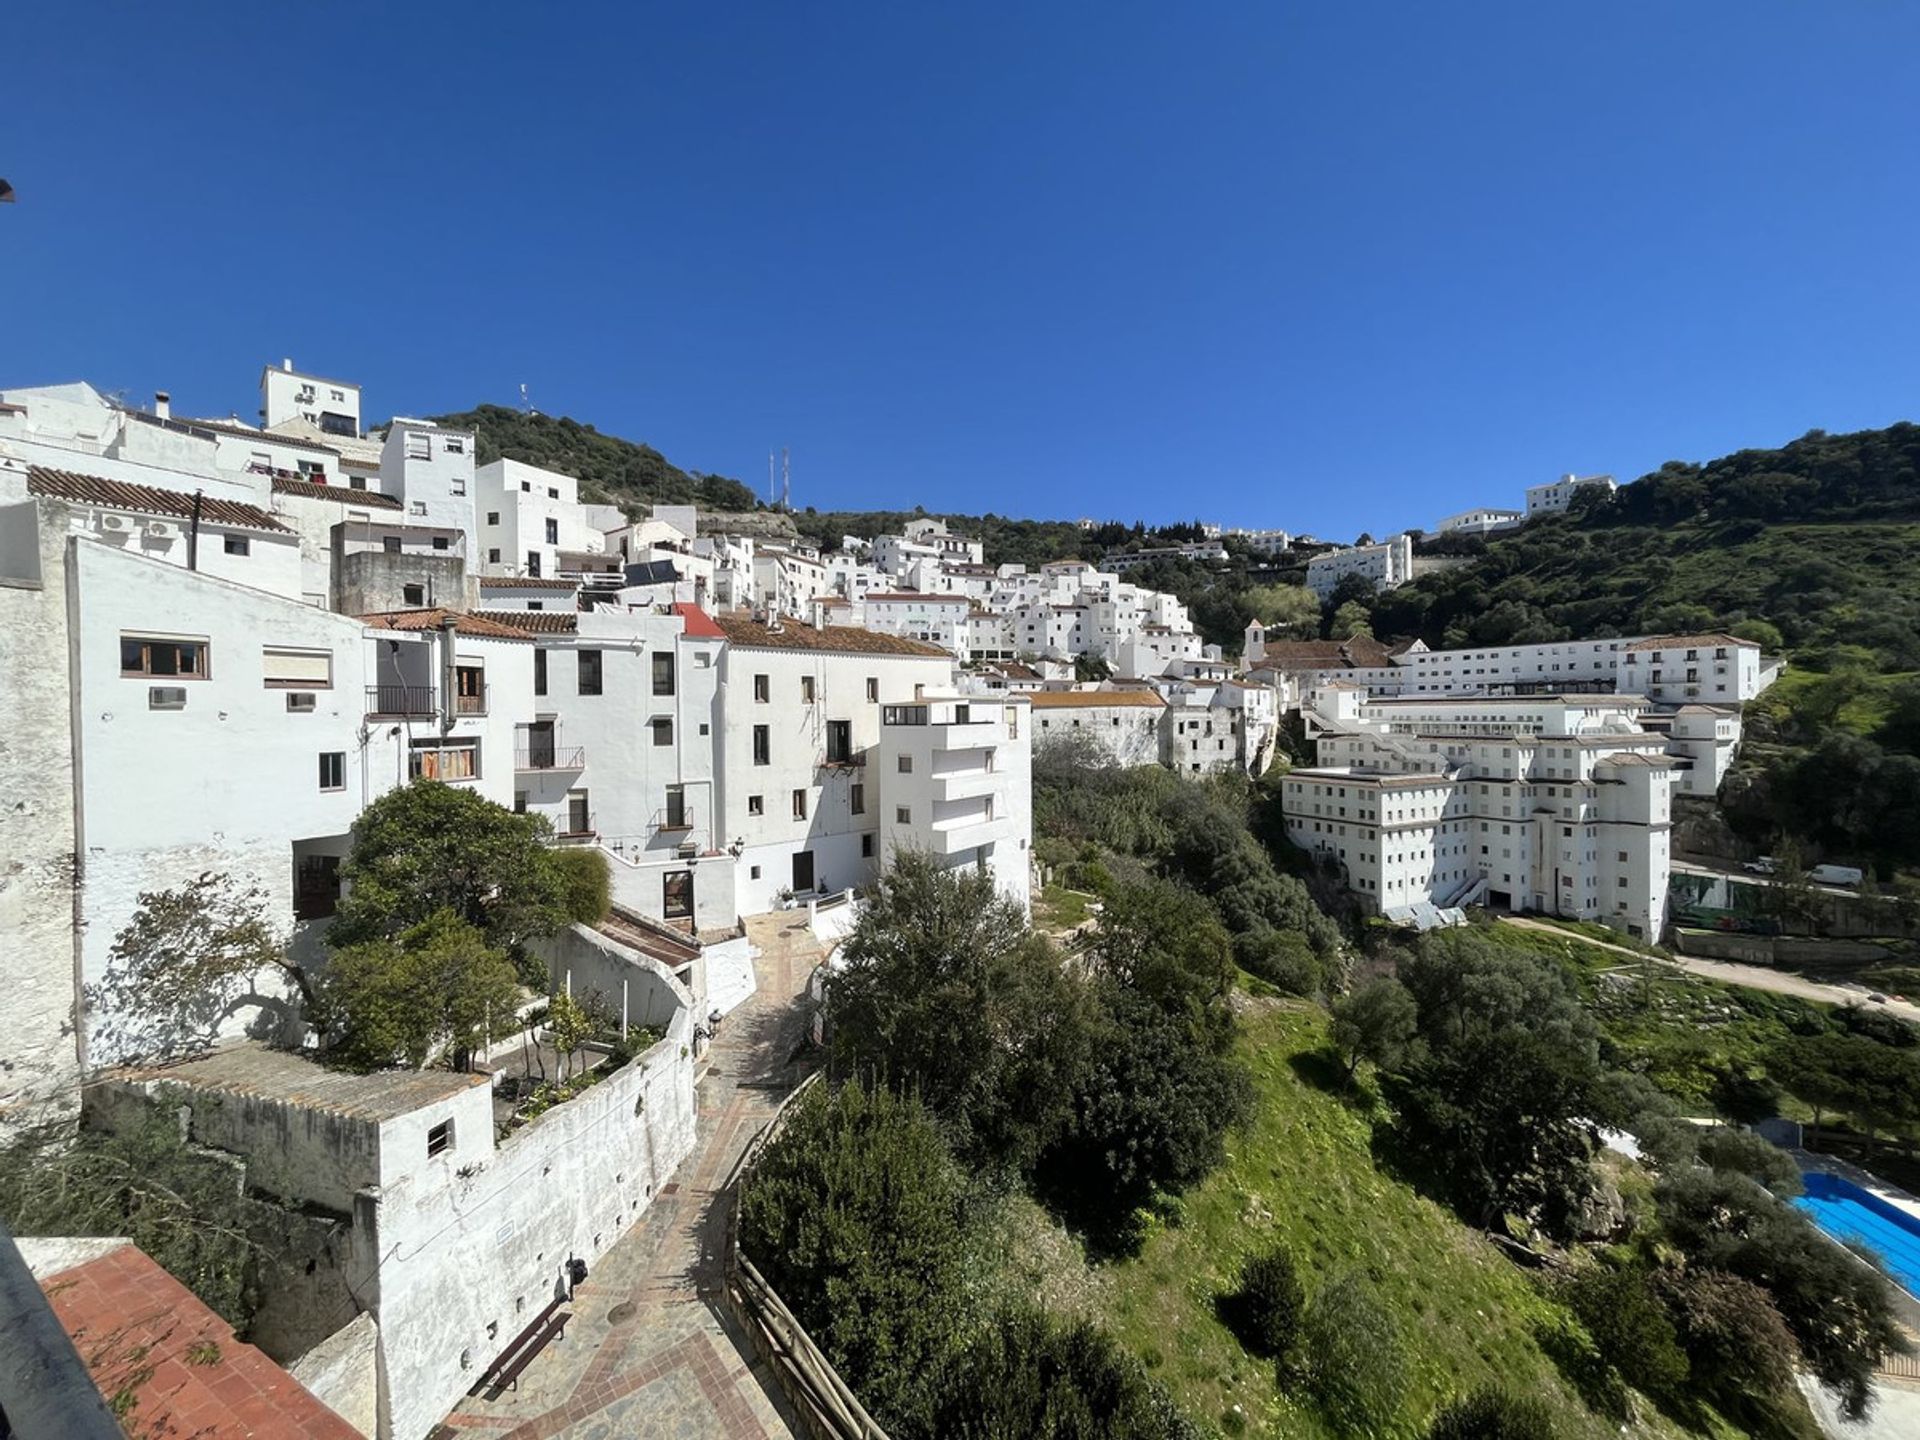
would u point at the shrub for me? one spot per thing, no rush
(1265, 1311)
(1629, 1328)
(1350, 1356)
(586, 883)
(1031, 1377)
(1735, 1339)
(1493, 1414)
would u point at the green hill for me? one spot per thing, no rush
(611, 470)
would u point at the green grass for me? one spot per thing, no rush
(1303, 1173)
(1059, 909)
(1863, 713)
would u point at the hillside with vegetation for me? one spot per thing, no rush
(610, 470)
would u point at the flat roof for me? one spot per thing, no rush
(257, 1072)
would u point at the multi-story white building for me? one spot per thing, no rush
(528, 517)
(330, 406)
(1555, 496)
(1555, 804)
(1385, 565)
(788, 581)
(1125, 724)
(1262, 542)
(1206, 552)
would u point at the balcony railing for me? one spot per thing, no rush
(551, 757)
(471, 704)
(400, 700)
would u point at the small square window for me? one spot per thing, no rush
(753, 872)
(663, 732)
(237, 545)
(333, 769)
(799, 804)
(493, 556)
(902, 815)
(756, 804)
(493, 517)
(760, 689)
(440, 1139)
(413, 594)
(905, 764)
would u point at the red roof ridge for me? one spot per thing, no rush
(149, 499)
(699, 624)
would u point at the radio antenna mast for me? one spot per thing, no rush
(786, 479)
(770, 491)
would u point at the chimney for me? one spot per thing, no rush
(163, 404)
(287, 365)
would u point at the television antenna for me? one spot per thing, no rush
(786, 479)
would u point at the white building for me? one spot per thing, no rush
(1205, 552)
(1124, 724)
(429, 469)
(330, 406)
(1484, 521)
(1555, 804)
(1557, 495)
(528, 517)
(788, 581)
(1385, 565)
(1262, 542)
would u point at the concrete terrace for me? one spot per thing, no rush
(652, 1353)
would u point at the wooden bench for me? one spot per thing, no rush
(505, 1370)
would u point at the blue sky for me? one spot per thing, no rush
(1332, 267)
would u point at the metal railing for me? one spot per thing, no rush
(551, 757)
(400, 700)
(471, 704)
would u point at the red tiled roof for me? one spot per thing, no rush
(792, 635)
(148, 499)
(268, 437)
(535, 622)
(1681, 642)
(464, 623)
(345, 494)
(1091, 699)
(1361, 652)
(699, 624)
(526, 582)
(145, 1336)
(921, 595)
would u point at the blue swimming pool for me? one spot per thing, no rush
(1848, 1213)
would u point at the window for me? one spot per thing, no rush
(806, 690)
(493, 556)
(799, 804)
(333, 769)
(904, 764)
(756, 804)
(762, 745)
(676, 895)
(469, 690)
(450, 759)
(533, 564)
(663, 672)
(553, 492)
(419, 447)
(299, 702)
(902, 815)
(553, 532)
(153, 655)
(316, 886)
(519, 802)
(440, 1139)
(493, 517)
(413, 594)
(440, 542)
(589, 671)
(539, 672)
(873, 691)
(839, 742)
(356, 482)
(857, 800)
(390, 544)
(296, 669)
(760, 690)
(236, 545)
(662, 731)
(458, 485)
(677, 808)
(455, 446)
(866, 846)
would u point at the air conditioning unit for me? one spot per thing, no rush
(112, 522)
(159, 529)
(300, 702)
(688, 849)
(166, 697)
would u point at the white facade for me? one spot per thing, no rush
(332, 406)
(1124, 724)
(430, 471)
(1556, 804)
(526, 517)
(788, 582)
(1484, 521)
(1262, 542)
(1555, 496)
(1387, 565)
(1206, 552)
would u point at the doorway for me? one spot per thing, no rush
(802, 871)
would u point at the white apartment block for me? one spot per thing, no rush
(1206, 552)
(1554, 804)
(528, 518)
(1483, 521)
(1554, 497)
(1262, 542)
(788, 581)
(1124, 724)
(330, 406)
(1385, 565)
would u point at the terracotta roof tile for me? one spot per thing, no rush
(792, 635)
(345, 494)
(534, 622)
(1681, 642)
(248, 432)
(148, 499)
(526, 582)
(145, 1335)
(1092, 699)
(1361, 652)
(698, 623)
(464, 623)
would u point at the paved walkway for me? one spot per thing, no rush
(1732, 972)
(652, 1353)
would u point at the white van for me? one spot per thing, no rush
(1836, 875)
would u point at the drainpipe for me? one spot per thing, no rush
(448, 679)
(193, 535)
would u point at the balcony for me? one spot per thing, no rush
(968, 784)
(957, 836)
(413, 701)
(471, 703)
(550, 757)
